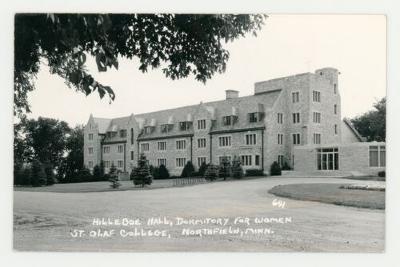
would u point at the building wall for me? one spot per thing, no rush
(348, 135)
(91, 128)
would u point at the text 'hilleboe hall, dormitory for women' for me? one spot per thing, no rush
(294, 120)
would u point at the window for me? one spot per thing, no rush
(200, 161)
(148, 129)
(257, 160)
(107, 164)
(295, 97)
(296, 117)
(245, 160)
(122, 133)
(280, 118)
(162, 145)
(280, 139)
(145, 147)
(162, 162)
(280, 160)
(334, 88)
(132, 137)
(254, 117)
(316, 117)
(317, 138)
(224, 141)
(120, 164)
(251, 139)
(90, 150)
(132, 155)
(201, 124)
(377, 156)
(106, 150)
(316, 96)
(165, 128)
(296, 139)
(185, 125)
(180, 162)
(90, 164)
(201, 143)
(328, 159)
(336, 129)
(227, 120)
(90, 136)
(181, 144)
(120, 148)
(223, 158)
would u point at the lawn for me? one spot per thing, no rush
(332, 194)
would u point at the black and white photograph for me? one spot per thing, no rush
(199, 132)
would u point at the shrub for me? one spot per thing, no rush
(286, 166)
(163, 172)
(113, 177)
(38, 176)
(275, 169)
(141, 174)
(224, 168)
(97, 174)
(382, 174)
(83, 175)
(237, 170)
(202, 169)
(188, 170)
(254, 172)
(211, 172)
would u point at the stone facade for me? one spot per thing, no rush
(258, 128)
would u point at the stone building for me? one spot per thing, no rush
(282, 114)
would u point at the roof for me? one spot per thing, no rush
(354, 130)
(102, 124)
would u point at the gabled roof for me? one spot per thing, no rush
(354, 130)
(102, 124)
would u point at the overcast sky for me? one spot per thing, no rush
(287, 45)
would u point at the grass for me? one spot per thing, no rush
(367, 178)
(332, 194)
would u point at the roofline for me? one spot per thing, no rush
(354, 130)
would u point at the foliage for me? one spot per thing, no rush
(286, 166)
(82, 175)
(224, 168)
(382, 174)
(50, 177)
(184, 44)
(372, 124)
(237, 170)
(202, 169)
(211, 172)
(141, 175)
(113, 177)
(254, 172)
(38, 176)
(74, 149)
(188, 170)
(97, 173)
(275, 169)
(161, 172)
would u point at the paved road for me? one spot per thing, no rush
(44, 220)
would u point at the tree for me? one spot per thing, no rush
(183, 44)
(97, 174)
(141, 175)
(47, 139)
(163, 172)
(38, 176)
(49, 171)
(275, 169)
(74, 149)
(372, 124)
(237, 170)
(188, 170)
(113, 177)
(202, 169)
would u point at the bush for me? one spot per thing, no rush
(275, 169)
(211, 172)
(141, 175)
(237, 170)
(254, 172)
(382, 174)
(97, 174)
(50, 177)
(202, 169)
(188, 170)
(224, 168)
(113, 174)
(38, 176)
(162, 172)
(83, 175)
(286, 166)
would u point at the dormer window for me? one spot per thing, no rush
(255, 117)
(122, 133)
(229, 120)
(165, 128)
(148, 129)
(185, 125)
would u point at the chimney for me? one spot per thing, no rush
(230, 94)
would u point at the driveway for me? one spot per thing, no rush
(46, 221)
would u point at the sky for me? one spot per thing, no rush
(286, 45)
